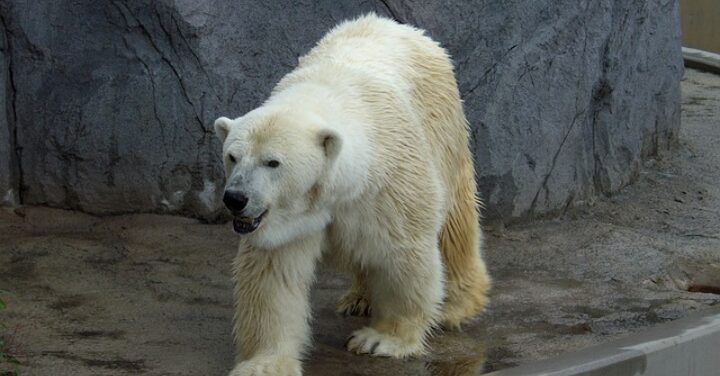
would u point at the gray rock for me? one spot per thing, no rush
(115, 99)
(564, 97)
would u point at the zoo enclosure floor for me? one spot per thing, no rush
(151, 294)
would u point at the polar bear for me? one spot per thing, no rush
(359, 157)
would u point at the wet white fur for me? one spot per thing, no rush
(374, 170)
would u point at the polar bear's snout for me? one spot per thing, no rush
(235, 201)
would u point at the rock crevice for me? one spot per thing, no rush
(11, 173)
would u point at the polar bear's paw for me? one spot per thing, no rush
(268, 366)
(369, 341)
(353, 304)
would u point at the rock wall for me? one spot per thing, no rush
(112, 102)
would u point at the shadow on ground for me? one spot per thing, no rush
(151, 294)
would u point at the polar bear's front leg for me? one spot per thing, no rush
(268, 365)
(407, 293)
(272, 309)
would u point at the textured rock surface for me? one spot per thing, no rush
(115, 99)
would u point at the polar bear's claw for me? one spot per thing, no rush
(354, 304)
(370, 341)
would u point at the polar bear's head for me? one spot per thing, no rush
(275, 165)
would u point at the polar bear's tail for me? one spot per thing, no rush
(460, 242)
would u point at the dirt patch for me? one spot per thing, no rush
(130, 366)
(84, 334)
(67, 302)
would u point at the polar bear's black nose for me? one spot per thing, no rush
(235, 200)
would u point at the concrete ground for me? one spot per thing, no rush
(151, 294)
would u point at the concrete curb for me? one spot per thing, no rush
(689, 347)
(703, 60)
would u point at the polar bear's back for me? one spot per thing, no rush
(400, 63)
(371, 43)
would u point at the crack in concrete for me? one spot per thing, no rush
(487, 71)
(601, 90)
(146, 33)
(546, 178)
(162, 124)
(156, 114)
(544, 186)
(392, 12)
(11, 108)
(198, 61)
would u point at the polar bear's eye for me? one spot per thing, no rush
(272, 163)
(231, 158)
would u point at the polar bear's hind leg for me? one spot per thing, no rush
(407, 298)
(356, 301)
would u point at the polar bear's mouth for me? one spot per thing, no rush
(246, 225)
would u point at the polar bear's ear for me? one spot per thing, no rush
(331, 142)
(222, 127)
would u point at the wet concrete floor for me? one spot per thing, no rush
(151, 294)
